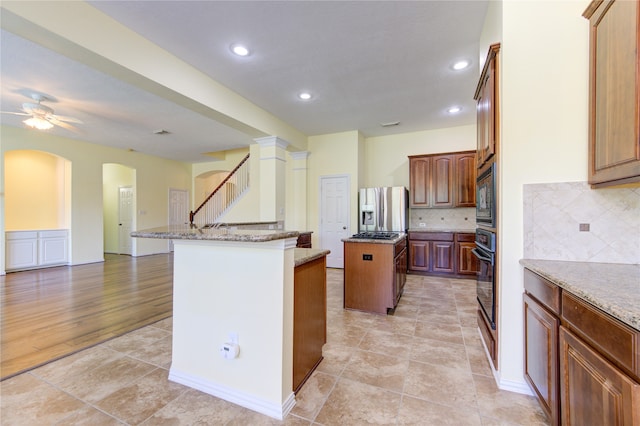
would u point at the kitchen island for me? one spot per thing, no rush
(375, 271)
(235, 286)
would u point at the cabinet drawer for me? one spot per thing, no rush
(613, 338)
(465, 238)
(431, 236)
(547, 293)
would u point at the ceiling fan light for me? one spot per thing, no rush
(38, 123)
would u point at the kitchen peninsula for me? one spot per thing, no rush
(238, 285)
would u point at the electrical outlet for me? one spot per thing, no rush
(422, 225)
(233, 338)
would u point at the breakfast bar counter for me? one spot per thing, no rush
(233, 313)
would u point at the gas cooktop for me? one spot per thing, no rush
(375, 235)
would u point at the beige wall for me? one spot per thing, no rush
(154, 178)
(332, 154)
(386, 156)
(544, 117)
(34, 191)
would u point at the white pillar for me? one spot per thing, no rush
(299, 220)
(272, 178)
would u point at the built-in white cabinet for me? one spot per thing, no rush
(35, 249)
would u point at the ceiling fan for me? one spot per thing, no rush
(42, 116)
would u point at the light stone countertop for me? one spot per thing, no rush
(305, 255)
(183, 232)
(611, 287)
(401, 236)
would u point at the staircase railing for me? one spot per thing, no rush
(225, 194)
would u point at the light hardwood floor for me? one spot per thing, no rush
(50, 313)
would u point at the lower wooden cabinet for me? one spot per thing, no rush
(581, 363)
(593, 390)
(309, 318)
(541, 354)
(442, 253)
(399, 271)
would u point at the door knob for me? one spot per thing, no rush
(344, 227)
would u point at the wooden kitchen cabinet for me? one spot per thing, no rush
(583, 364)
(466, 261)
(541, 327)
(487, 112)
(400, 270)
(309, 318)
(431, 252)
(442, 180)
(465, 179)
(614, 92)
(594, 391)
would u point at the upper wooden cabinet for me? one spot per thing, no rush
(443, 180)
(614, 92)
(487, 107)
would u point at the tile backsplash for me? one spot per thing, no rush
(554, 214)
(443, 219)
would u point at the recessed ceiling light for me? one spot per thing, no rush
(239, 50)
(305, 96)
(454, 110)
(460, 65)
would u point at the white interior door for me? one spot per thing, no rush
(125, 219)
(334, 217)
(178, 209)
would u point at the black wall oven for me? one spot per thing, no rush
(485, 251)
(486, 197)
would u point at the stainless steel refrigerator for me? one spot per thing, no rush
(383, 209)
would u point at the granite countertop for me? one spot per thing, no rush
(215, 234)
(611, 287)
(304, 255)
(401, 235)
(456, 230)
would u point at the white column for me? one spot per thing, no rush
(299, 220)
(272, 178)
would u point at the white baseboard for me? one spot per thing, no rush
(251, 402)
(508, 385)
(517, 387)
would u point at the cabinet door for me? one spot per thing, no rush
(443, 256)
(21, 253)
(420, 173)
(465, 180)
(614, 144)
(593, 391)
(419, 255)
(467, 262)
(53, 250)
(442, 181)
(541, 356)
(486, 98)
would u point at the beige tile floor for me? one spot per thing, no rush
(424, 365)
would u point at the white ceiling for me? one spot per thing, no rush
(365, 63)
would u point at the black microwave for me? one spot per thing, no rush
(486, 197)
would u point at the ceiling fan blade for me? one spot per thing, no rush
(62, 124)
(14, 113)
(65, 118)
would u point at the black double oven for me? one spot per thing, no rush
(485, 249)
